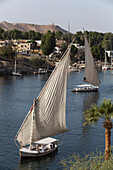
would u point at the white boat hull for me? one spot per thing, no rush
(85, 88)
(27, 153)
(105, 67)
(16, 74)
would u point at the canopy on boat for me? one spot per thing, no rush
(46, 141)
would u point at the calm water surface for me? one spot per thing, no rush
(16, 97)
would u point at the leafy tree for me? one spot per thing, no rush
(5, 35)
(31, 34)
(74, 51)
(98, 52)
(24, 35)
(48, 43)
(16, 34)
(107, 44)
(63, 48)
(7, 52)
(79, 38)
(58, 35)
(104, 110)
(37, 61)
(1, 32)
(38, 36)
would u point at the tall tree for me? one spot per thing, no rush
(7, 52)
(104, 110)
(48, 43)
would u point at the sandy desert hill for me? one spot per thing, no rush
(27, 27)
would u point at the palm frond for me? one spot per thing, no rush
(104, 110)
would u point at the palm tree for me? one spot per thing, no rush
(104, 110)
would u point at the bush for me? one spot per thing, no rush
(36, 61)
(89, 161)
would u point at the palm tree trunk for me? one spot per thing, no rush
(108, 127)
(107, 143)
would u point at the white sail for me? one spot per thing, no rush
(49, 118)
(90, 75)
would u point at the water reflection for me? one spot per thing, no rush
(91, 98)
(43, 77)
(88, 136)
(36, 163)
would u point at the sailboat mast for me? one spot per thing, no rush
(33, 115)
(105, 58)
(15, 65)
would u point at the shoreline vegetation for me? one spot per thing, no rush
(100, 43)
(92, 161)
(25, 65)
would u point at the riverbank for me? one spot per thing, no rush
(23, 66)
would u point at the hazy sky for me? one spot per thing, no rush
(93, 15)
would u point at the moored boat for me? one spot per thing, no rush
(85, 88)
(42, 71)
(15, 73)
(90, 74)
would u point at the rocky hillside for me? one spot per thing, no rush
(27, 27)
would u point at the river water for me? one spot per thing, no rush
(16, 98)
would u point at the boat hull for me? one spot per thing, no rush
(84, 90)
(26, 153)
(16, 74)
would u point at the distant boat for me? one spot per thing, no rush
(90, 75)
(105, 66)
(46, 117)
(15, 73)
(42, 71)
(72, 69)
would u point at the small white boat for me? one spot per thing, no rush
(85, 88)
(47, 115)
(42, 71)
(105, 67)
(72, 69)
(15, 73)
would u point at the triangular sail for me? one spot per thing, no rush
(49, 118)
(90, 75)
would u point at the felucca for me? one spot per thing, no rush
(91, 74)
(46, 117)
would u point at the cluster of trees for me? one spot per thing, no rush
(16, 34)
(99, 42)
